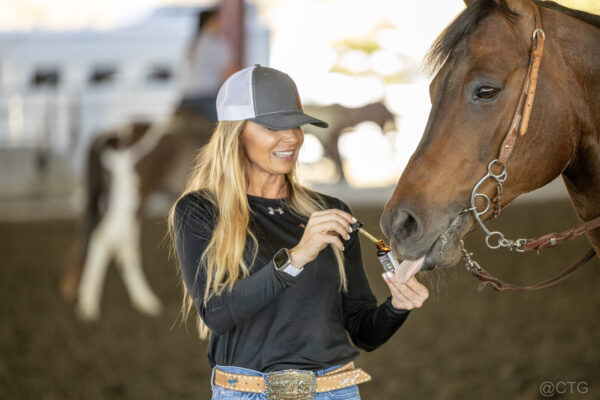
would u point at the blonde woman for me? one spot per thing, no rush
(272, 268)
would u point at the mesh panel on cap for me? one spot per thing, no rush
(235, 101)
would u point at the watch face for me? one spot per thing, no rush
(281, 258)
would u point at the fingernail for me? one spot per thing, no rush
(350, 229)
(354, 219)
(343, 248)
(384, 275)
(389, 274)
(348, 237)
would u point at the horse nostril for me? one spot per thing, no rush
(405, 225)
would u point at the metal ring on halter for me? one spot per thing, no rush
(487, 207)
(500, 239)
(538, 31)
(501, 177)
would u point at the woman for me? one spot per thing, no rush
(273, 268)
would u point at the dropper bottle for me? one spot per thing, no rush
(384, 253)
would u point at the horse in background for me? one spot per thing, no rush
(340, 118)
(124, 167)
(483, 63)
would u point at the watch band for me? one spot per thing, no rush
(291, 270)
(283, 262)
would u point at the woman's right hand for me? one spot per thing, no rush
(322, 229)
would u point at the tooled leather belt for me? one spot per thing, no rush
(292, 383)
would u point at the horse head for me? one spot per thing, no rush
(482, 61)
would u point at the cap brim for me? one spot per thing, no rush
(288, 120)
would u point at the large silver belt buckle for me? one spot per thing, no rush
(290, 384)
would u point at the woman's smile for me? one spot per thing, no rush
(288, 155)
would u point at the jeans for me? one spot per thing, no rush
(219, 393)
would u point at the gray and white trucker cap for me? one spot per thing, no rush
(263, 95)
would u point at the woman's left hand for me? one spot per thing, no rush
(408, 295)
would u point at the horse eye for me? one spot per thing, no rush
(487, 93)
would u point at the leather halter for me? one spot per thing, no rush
(522, 114)
(518, 127)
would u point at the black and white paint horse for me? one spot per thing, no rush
(124, 168)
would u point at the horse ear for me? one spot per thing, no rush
(524, 9)
(521, 7)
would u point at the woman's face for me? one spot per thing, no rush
(271, 152)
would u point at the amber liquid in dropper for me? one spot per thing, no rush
(384, 253)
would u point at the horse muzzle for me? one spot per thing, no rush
(441, 246)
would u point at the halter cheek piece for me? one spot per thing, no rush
(495, 239)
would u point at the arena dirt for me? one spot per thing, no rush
(461, 345)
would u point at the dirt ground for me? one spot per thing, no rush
(461, 345)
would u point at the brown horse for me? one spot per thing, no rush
(339, 118)
(482, 61)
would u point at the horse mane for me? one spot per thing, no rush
(591, 19)
(469, 19)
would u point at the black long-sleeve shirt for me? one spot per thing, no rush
(272, 320)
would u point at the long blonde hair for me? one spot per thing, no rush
(219, 172)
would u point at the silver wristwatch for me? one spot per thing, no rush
(283, 262)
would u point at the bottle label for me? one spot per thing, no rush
(386, 262)
(393, 260)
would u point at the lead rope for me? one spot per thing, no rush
(489, 280)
